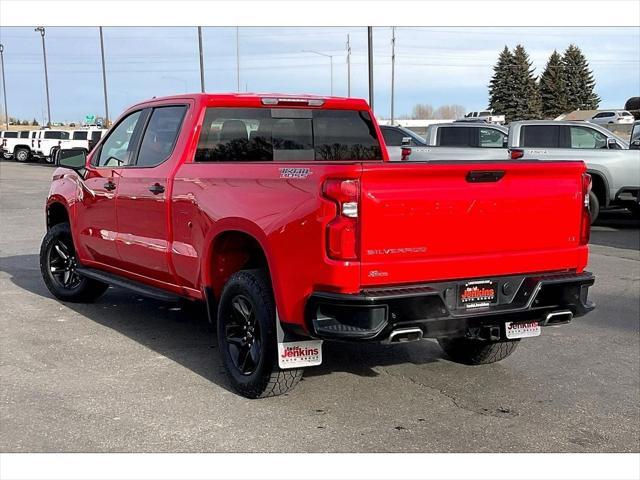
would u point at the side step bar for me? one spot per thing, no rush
(136, 287)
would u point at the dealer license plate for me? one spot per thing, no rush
(478, 293)
(522, 329)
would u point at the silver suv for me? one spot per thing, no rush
(612, 117)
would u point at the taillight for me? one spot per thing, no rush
(342, 231)
(516, 153)
(585, 224)
(405, 152)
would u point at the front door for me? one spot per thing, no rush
(143, 239)
(96, 219)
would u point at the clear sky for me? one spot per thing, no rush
(436, 65)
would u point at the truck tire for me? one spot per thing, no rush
(477, 352)
(21, 154)
(57, 266)
(247, 337)
(594, 207)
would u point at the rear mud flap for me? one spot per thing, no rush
(296, 353)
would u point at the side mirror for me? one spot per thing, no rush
(73, 158)
(635, 145)
(611, 143)
(406, 141)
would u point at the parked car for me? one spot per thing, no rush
(18, 146)
(285, 216)
(634, 143)
(459, 141)
(614, 169)
(47, 142)
(483, 116)
(4, 135)
(608, 117)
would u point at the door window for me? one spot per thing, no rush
(604, 115)
(491, 138)
(56, 135)
(540, 136)
(584, 137)
(456, 137)
(24, 134)
(79, 135)
(392, 137)
(117, 148)
(160, 136)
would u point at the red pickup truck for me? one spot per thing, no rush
(284, 215)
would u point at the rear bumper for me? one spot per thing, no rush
(374, 314)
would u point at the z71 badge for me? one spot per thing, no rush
(295, 172)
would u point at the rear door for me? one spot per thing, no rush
(450, 220)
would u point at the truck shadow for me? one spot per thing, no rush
(182, 332)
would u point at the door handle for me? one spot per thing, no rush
(156, 189)
(109, 185)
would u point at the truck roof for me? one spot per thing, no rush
(256, 100)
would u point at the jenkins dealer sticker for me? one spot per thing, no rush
(300, 354)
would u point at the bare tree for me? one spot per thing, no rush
(422, 111)
(449, 112)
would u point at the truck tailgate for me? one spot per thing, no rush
(440, 221)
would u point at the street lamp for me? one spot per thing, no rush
(46, 76)
(4, 88)
(330, 62)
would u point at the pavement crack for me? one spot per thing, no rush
(500, 412)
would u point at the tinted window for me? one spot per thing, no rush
(96, 135)
(635, 133)
(24, 134)
(80, 135)
(583, 137)
(160, 135)
(260, 134)
(392, 137)
(10, 135)
(625, 114)
(456, 137)
(491, 138)
(116, 150)
(547, 136)
(56, 135)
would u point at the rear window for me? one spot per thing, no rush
(96, 135)
(80, 135)
(456, 137)
(10, 135)
(56, 135)
(263, 135)
(543, 136)
(625, 114)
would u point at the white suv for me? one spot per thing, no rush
(612, 116)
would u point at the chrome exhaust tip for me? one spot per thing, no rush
(558, 318)
(403, 335)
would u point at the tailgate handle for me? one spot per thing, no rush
(477, 176)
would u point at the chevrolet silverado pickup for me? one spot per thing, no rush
(284, 215)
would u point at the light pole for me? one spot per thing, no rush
(4, 87)
(104, 82)
(46, 75)
(238, 59)
(393, 64)
(201, 59)
(370, 61)
(330, 63)
(348, 67)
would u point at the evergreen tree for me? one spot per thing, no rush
(501, 85)
(579, 81)
(34, 123)
(525, 96)
(553, 93)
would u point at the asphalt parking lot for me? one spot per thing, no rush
(132, 374)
